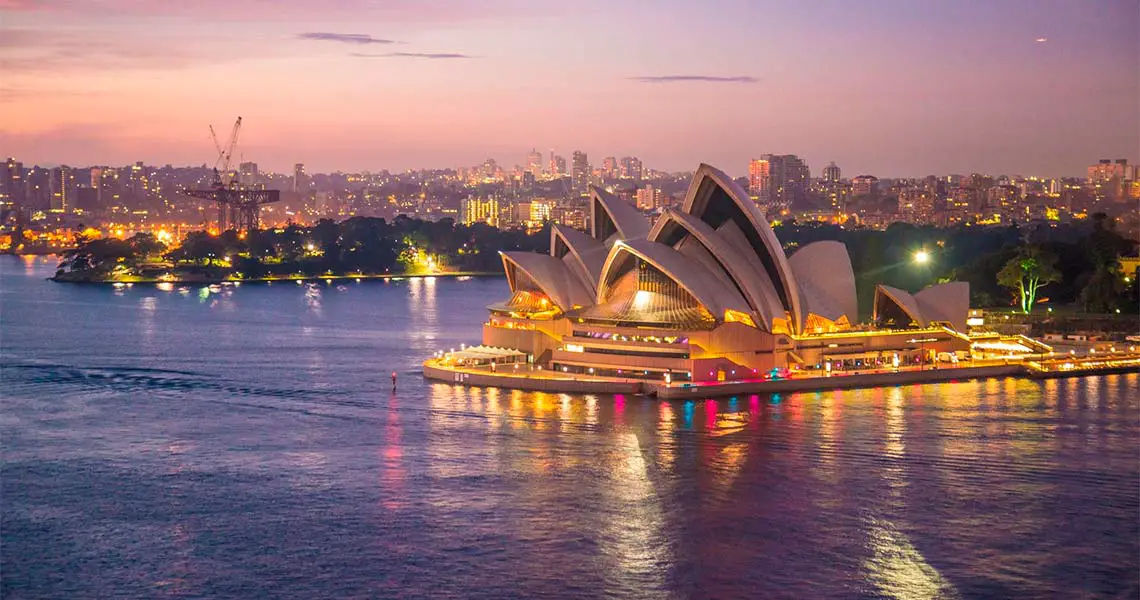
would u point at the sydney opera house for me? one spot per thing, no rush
(707, 293)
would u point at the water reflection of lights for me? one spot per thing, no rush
(896, 427)
(423, 307)
(638, 547)
(393, 474)
(827, 470)
(666, 445)
(728, 463)
(564, 408)
(313, 299)
(898, 569)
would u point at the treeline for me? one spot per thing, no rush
(1069, 264)
(1075, 263)
(364, 245)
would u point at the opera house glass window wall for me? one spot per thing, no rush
(706, 293)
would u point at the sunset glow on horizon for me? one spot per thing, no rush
(889, 87)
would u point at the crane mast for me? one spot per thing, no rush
(237, 208)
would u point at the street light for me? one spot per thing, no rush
(921, 257)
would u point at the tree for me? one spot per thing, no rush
(1028, 272)
(1104, 290)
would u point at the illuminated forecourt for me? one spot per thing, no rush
(704, 293)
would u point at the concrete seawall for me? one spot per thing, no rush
(546, 381)
(811, 384)
(542, 383)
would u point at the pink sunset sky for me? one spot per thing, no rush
(889, 87)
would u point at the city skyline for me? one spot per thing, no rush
(892, 89)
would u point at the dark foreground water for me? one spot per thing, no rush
(247, 444)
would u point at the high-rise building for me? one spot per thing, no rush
(248, 174)
(631, 168)
(916, 205)
(37, 191)
(540, 211)
(300, 179)
(86, 198)
(12, 188)
(534, 162)
(479, 210)
(610, 168)
(831, 173)
(580, 175)
(778, 178)
(788, 176)
(62, 189)
(1106, 170)
(97, 186)
(557, 165)
(1111, 179)
(649, 198)
(864, 185)
(759, 178)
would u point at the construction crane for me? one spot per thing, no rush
(224, 176)
(238, 207)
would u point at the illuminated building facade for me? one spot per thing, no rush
(62, 189)
(534, 163)
(649, 198)
(580, 174)
(631, 168)
(759, 178)
(831, 173)
(610, 169)
(479, 210)
(706, 292)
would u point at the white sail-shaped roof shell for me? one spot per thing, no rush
(612, 218)
(552, 276)
(945, 303)
(900, 298)
(941, 303)
(705, 200)
(711, 292)
(826, 279)
(583, 254)
(751, 282)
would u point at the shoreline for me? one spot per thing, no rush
(271, 279)
(548, 382)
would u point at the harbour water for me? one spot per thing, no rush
(247, 442)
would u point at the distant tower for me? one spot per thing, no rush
(610, 168)
(631, 168)
(759, 178)
(12, 187)
(62, 183)
(534, 162)
(831, 173)
(580, 175)
(248, 173)
(300, 180)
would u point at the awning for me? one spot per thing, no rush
(860, 355)
(487, 353)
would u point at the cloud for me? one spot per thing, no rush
(344, 38)
(391, 12)
(696, 78)
(29, 51)
(427, 55)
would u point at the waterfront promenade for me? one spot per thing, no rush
(530, 378)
